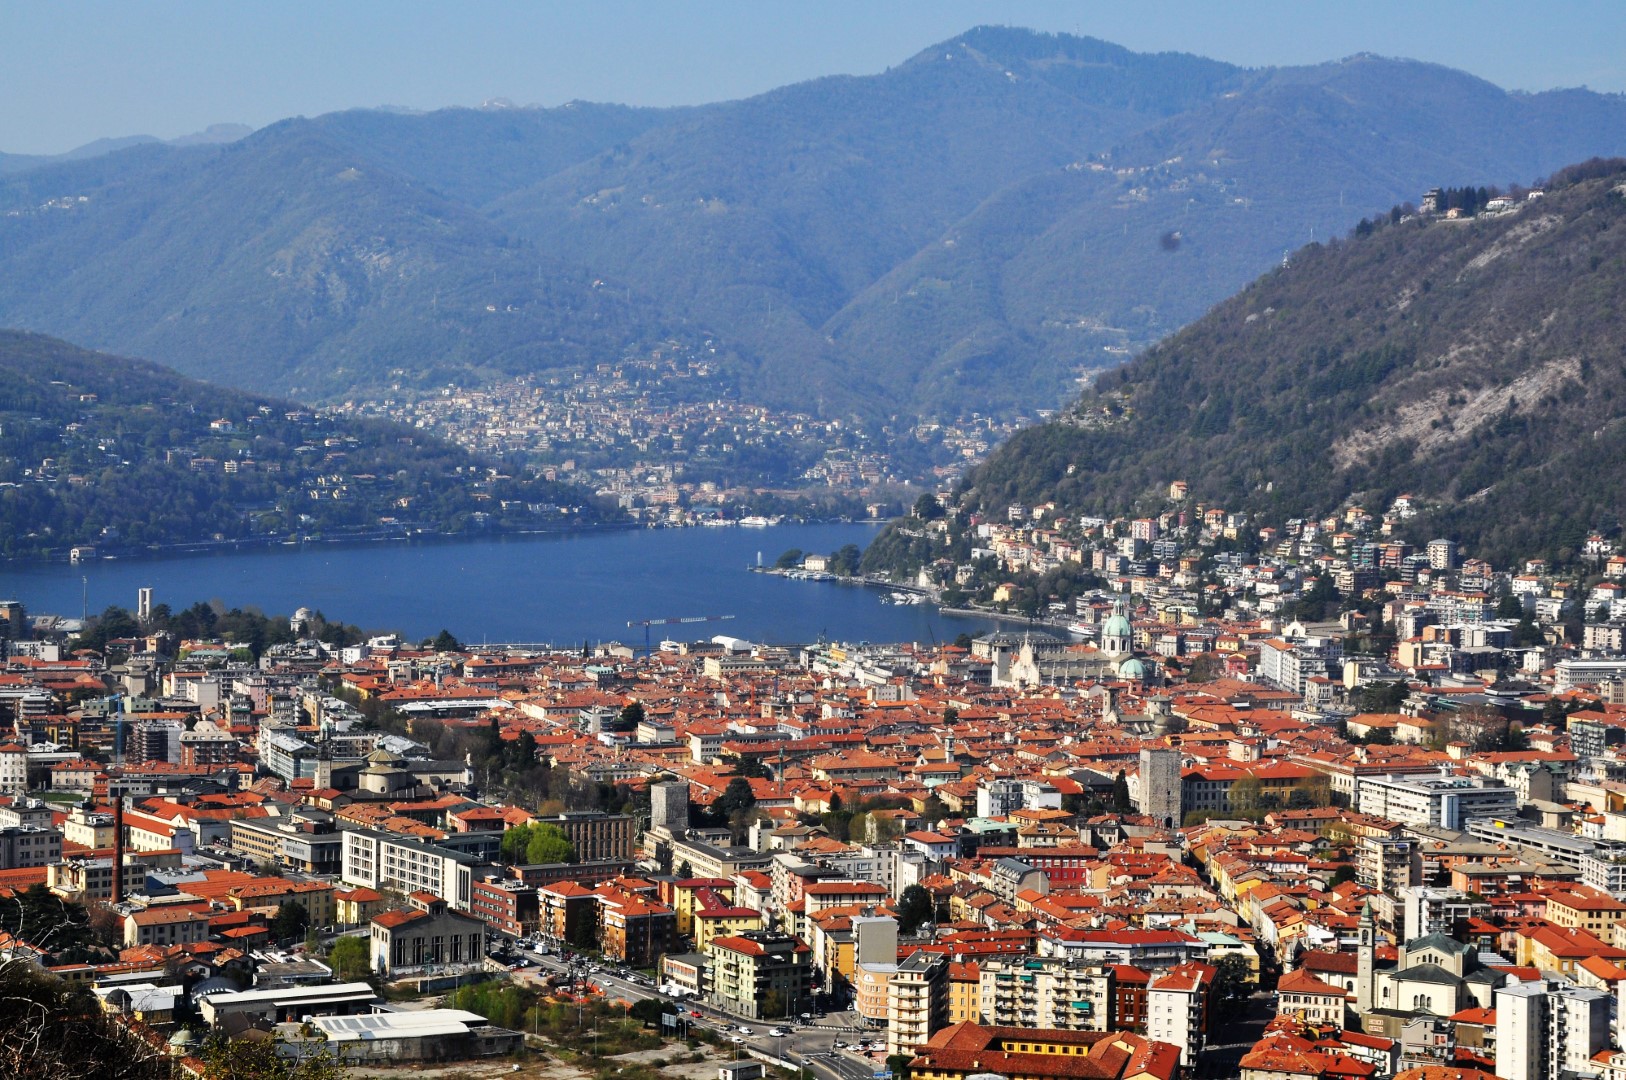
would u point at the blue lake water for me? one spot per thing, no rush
(564, 589)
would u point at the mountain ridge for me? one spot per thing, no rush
(974, 230)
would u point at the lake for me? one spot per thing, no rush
(564, 589)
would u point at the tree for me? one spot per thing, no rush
(548, 844)
(736, 797)
(514, 843)
(349, 959)
(1383, 697)
(773, 1004)
(845, 559)
(790, 560)
(445, 642)
(1205, 667)
(927, 508)
(631, 716)
(48, 1029)
(242, 1059)
(1244, 796)
(290, 920)
(1121, 803)
(647, 1011)
(1233, 980)
(914, 908)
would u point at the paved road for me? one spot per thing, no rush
(812, 1045)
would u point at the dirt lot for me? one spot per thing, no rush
(549, 1069)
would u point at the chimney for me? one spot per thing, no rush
(118, 850)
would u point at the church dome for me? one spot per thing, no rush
(1116, 626)
(1132, 668)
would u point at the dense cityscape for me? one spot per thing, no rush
(1345, 808)
(847, 546)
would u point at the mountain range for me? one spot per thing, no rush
(974, 230)
(1473, 364)
(212, 135)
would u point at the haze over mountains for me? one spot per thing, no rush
(211, 135)
(969, 231)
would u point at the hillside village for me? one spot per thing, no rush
(1386, 843)
(668, 439)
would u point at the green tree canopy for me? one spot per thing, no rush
(914, 908)
(737, 797)
(290, 920)
(349, 958)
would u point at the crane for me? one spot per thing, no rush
(647, 623)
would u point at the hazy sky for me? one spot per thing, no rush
(74, 71)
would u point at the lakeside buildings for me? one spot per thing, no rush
(1420, 848)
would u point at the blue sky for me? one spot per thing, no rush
(75, 70)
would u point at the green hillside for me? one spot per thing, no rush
(127, 456)
(1475, 364)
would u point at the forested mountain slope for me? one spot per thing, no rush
(126, 456)
(1477, 364)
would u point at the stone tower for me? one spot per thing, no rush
(669, 806)
(1160, 786)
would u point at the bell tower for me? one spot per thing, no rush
(1365, 948)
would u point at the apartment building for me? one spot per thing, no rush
(1045, 992)
(759, 974)
(378, 860)
(1440, 800)
(1547, 1029)
(917, 1001)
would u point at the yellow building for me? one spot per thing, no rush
(711, 923)
(686, 896)
(1586, 909)
(352, 907)
(963, 994)
(316, 896)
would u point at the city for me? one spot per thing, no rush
(950, 541)
(1187, 835)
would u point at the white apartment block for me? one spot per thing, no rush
(377, 860)
(1439, 800)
